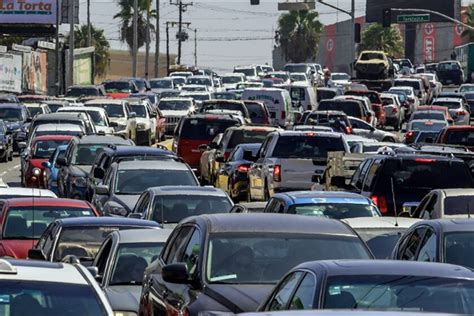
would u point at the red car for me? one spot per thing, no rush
(462, 135)
(41, 149)
(377, 105)
(23, 221)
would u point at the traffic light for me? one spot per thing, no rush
(386, 17)
(357, 32)
(254, 2)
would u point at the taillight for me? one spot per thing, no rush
(243, 168)
(226, 155)
(409, 135)
(424, 160)
(277, 173)
(283, 115)
(459, 113)
(381, 203)
(395, 110)
(348, 130)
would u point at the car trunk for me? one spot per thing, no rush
(189, 151)
(297, 173)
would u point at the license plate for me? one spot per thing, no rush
(449, 81)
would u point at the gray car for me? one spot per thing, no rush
(459, 112)
(121, 262)
(125, 181)
(362, 128)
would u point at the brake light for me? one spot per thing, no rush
(309, 134)
(212, 117)
(395, 110)
(348, 130)
(459, 113)
(226, 155)
(277, 173)
(381, 203)
(425, 160)
(283, 115)
(243, 168)
(409, 134)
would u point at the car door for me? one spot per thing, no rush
(361, 128)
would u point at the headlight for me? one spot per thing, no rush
(141, 126)
(120, 127)
(115, 209)
(35, 171)
(121, 313)
(79, 181)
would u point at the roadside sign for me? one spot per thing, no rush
(413, 18)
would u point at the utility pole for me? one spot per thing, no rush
(147, 41)
(167, 48)
(181, 9)
(71, 42)
(135, 38)
(157, 43)
(89, 35)
(56, 53)
(195, 49)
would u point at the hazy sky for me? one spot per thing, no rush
(223, 28)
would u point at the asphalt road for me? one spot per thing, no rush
(10, 172)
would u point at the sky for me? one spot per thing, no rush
(229, 32)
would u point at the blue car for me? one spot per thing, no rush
(51, 170)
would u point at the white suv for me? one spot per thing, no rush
(173, 109)
(146, 121)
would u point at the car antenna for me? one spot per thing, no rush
(393, 200)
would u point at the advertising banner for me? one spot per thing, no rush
(429, 42)
(83, 69)
(28, 11)
(330, 45)
(10, 73)
(35, 72)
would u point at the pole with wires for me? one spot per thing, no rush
(135, 38)
(157, 40)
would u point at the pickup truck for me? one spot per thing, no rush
(288, 160)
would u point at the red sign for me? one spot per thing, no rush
(457, 32)
(330, 45)
(429, 42)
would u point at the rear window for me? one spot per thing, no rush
(423, 174)
(224, 106)
(325, 94)
(407, 83)
(257, 113)
(435, 116)
(204, 129)
(454, 205)
(326, 120)
(307, 146)
(246, 137)
(460, 137)
(448, 104)
(373, 96)
(296, 68)
(298, 93)
(448, 66)
(427, 126)
(350, 108)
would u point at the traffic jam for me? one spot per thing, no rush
(252, 192)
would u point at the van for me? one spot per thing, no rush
(278, 102)
(303, 96)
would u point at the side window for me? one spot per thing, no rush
(281, 298)
(193, 249)
(266, 143)
(108, 177)
(279, 206)
(177, 247)
(359, 180)
(413, 243)
(49, 241)
(103, 257)
(140, 207)
(270, 206)
(428, 247)
(430, 205)
(304, 295)
(368, 184)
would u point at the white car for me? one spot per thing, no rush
(195, 88)
(198, 97)
(365, 102)
(17, 192)
(412, 98)
(146, 121)
(394, 112)
(230, 81)
(119, 112)
(446, 203)
(250, 72)
(340, 79)
(37, 108)
(201, 81)
(98, 116)
(160, 84)
(299, 78)
(173, 109)
(435, 84)
(40, 288)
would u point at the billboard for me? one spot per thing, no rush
(35, 72)
(28, 11)
(374, 8)
(10, 72)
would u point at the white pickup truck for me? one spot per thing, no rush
(288, 160)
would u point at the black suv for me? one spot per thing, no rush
(17, 119)
(400, 179)
(450, 72)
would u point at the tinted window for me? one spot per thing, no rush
(257, 113)
(448, 66)
(381, 241)
(448, 104)
(34, 110)
(84, 154)
(43, 149)
(325, 94)
(306, 146)
(224, 106)
(139, 109)
(137, 181)
(334, 209)
(460, 137)
(175, 105)
(282, 297)
(202, 129)
(454, 205)
(413, 244)
(427, 251)
(10, 115)
(459, 248)
(117, 86)
(425, 115)
(402, 83)
(296, 68)
(304, 295)
(427, 126)
(298, 94)
(350, 108)
(246, 137)
(113, 110)
(163, 84)
(80, 92)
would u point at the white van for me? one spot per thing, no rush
(278, 102)
(304, 96)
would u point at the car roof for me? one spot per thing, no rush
(103, 139)
(38, 201)
(451, 225)
(270, 223)
(151, 235)
(137, 150)
(254, 128)
(329, 112)
(104, 101)
(106, 221)
(12, 105)
(305, 133)
(83, 86)
(81, 109)
(212, 117)
(411, 156)
(151, 164)
(457, 192)
(58, 127)
(27, 192)
(52, 137)
(446, 98)
(380, 222)
(176, 99)
(42, 271)
(187, 190)
(59, 116)
(322, 197)
(389, 267)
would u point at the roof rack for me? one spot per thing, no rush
(7, 268)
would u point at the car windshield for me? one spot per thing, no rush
(448, 66)
(455, 205)
(161, 84)
(225, 96)
(85, 154)
(460, 137)
(340, 77)
(29, 222)
(231, 79)
(54, 106)
(249, 72)
(348, 107)
(459, 248)
(173, 208)
(83, 241)
(298, 77)
(137, 181)
(204, 129)
(429, 115)
(139, 110)
(97, 118)
(381, 241)
(199, 81)
(387, 101)
(264, 258)
(369, 56)
(43, 149)
(132, 259)
(247, 136)
(427, 126)
(10, 115)
(80, 92)
(373, 96)
(406, 91)
(140, 84)
(113, 110)
(466, 88)
(117, 86)
(193, 88)
(24, 297)
(199, 97)
(59, 132)
(174, 105)
(34, 110)
(334, 209)
(224, 106)
(399, 293)
(306, 146)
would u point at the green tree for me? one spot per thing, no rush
(469, 21)
(9, 40)
(100, 43)
(387, 39)
(125, 16)
(298, 35)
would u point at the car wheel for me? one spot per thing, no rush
(10, 157)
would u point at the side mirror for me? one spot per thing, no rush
(203, 147)
(46, 164)
(102, 189)
(22, 145)
(135, 215)
(248, 155)
(61, 162)
(113, 124)
(36, 254)
(339, 182)
(133, 115)
(99, 173)
(175, 273)
(94, 271)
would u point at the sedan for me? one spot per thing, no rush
(379, 285)
(445, 203)
(6, 143)
(456, 107)
(394, 113)
(362, 128)
(415, 127)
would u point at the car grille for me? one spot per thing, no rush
(172, 119)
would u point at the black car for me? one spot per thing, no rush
(380, 285)
(80, 237)
(78, 160)
(230, 262)
(233, 175)
(17, 120)
(85, 91)
(6, 143)
(395, 182)
(450, 72)
(438, 240)
(111, 154)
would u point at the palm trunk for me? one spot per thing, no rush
(147, 41)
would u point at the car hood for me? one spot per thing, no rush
(143, 120)
(248, 296)
(81, 171)
(124, 297)
(128, 200)
(173, 113)
(16, 248)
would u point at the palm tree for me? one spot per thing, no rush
(100, 43)
(298, 35)
(469, 21)
(126, 21)
(387, 39)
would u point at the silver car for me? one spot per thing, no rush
(459, 112)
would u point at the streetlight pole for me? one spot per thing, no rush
(89, 35)
(71, 43)
(157, 43)
(135, 38)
